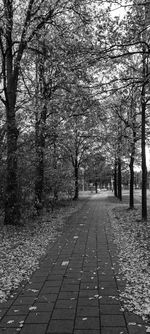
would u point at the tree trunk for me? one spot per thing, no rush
(76, 174)
(40, 147)
(96, 187)
(131, 201)
(39, 177)
(119, 180)
(143, 140)
(131, 165)
(12, 212)
(115, 180)
(41, 89)
(55, 167)
(144, 169)
(10, 76)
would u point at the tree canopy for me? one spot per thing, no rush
(74, 96)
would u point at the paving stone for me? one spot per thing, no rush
(68, 294)
(7, 304)
(108, 284)
(114, 330)
(50, 290)
(12, 320)
(33, 329)
(71, 281)
(18, 309)
(131, 317)
(38, 317)
(2, 312)
(112, 320)
(87, 293)
(47, 298)
(30, 293)
(109, 300)
(87, 323)
(105, 291)
(91, 279)
(24, 300)
(63, 314)
(86, 331)
(87, 276)
(88, 302)
(60, 326)
(37, 279)
(84, 311)
(110, 309)
(57, 272)
(54, 278)
(40, 272)
(9, 330)
(136, 329)
(76, 264)
(34, 285)
(70, 303)
(104, 276)
(76, 276)
(44, 307)
(89, 286)
(71, 288)
(49, 283)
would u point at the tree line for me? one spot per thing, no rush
(74, 82)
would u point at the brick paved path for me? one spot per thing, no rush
(75, 290)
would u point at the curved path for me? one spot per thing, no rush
(76, 288)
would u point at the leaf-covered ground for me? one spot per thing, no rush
(132, 237)
(22, 247)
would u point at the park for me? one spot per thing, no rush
(74, 166)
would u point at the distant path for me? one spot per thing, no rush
(76, 288)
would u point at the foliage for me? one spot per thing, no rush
(21, 248)
(132, 240)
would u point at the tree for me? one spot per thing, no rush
(97, 169)
(125, 39)
(79, 130)
(14, 40)
(20, 26)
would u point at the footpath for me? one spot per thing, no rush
(76, 288)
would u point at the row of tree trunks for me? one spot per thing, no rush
(118, 180)
(11, 66)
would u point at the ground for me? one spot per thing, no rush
(21, 248)
(103, 263)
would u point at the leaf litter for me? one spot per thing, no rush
(132, 238)
(21, 248)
